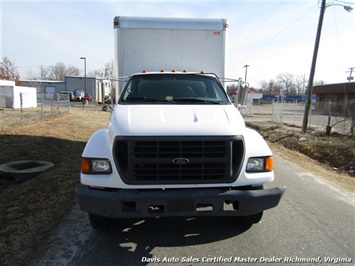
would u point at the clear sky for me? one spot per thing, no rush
(272, 37)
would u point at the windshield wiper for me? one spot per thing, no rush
(195, 100)
(147, 99)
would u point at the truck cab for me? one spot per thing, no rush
(175, 146)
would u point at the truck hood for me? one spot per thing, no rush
(175, 120)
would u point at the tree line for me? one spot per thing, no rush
(58, 72)
(287, 82)
(291, 84)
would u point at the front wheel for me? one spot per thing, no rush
(252, 219)
(98, 222)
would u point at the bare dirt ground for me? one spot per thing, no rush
(30, 210)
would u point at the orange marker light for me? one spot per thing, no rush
(85, 166)
(269, 164)
(162, 70)
(202, 72)
(173, 70)
(144, 71)
(185, 71)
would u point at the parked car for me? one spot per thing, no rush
(88, 97)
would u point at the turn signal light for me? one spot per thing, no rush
(85, 166)
(269, 163)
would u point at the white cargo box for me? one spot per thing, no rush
(153, 44)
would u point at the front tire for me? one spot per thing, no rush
(254, 218)
(98, 222)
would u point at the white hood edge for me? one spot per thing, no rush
(176, 120)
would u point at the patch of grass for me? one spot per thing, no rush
(336, 150)
(31, 209)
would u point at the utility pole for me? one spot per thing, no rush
(313, 68)
(314, 60)
(241, 89)
(41, 69)
(84, 100)
(350, 78)
(246, 72)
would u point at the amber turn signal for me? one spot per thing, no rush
(269, 163)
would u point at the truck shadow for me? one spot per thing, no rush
(135, 240)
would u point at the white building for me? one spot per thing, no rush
(12, 96)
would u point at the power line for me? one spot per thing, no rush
(336, 24)
(33, 66)
(279, 33)
(345, 2)
(262, 22)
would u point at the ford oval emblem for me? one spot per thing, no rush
(181, 161)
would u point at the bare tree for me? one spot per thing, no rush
(57, 72)
(287, 80)
(319, 82)
(60, 70)
(263, 85)
(106, 72)
(72, 71)
(96, 73)
(109, 69)
(273, 87)
(44, 72)
(8, 71)
(300, 83)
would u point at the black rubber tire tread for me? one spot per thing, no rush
(98, 222)
(254, 218)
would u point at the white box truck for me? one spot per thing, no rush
(175, 145)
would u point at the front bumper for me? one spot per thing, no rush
(177, 202)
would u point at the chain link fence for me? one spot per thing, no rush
(15, 110)
(291, 114)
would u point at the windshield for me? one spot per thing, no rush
(173, 88)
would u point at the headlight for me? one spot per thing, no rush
(95, 166)
(260, 164)
(101, 166)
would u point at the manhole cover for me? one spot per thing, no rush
(21, 170)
